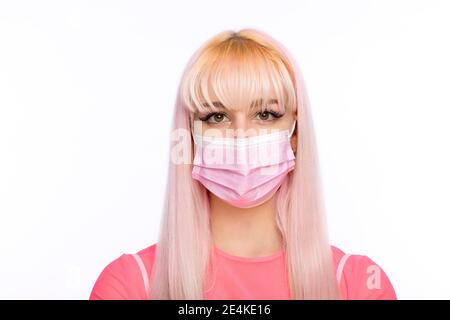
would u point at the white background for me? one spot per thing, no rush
(87, 90)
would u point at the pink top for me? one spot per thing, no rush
(241, 278)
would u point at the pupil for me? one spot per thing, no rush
(218, 116)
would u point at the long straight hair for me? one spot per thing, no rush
(238, 67)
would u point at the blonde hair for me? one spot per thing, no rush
(238, 68)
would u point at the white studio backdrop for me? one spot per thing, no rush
(87, 90)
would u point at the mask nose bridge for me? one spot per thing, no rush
(290, 133)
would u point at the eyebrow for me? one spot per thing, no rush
(219, 104)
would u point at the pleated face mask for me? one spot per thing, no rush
(244, 172)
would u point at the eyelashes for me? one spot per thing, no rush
(212, 114)
(221, 115)
(275, 114)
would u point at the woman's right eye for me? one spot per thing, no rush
(214, 117)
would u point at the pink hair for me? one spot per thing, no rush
(185, 244)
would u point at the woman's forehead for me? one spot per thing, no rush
(238, 103)
(255, 103)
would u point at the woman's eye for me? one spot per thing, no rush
(214, 117)
(265, 115)
(268, 115)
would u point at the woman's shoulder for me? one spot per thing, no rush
(147, 255)
(122, 278)
(361, 277)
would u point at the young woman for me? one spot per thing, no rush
(244, 215)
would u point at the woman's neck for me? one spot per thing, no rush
(249, 232)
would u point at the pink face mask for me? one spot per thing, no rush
(245, 172)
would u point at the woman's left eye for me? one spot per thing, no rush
(268, 115)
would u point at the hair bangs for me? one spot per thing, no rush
(238, 74)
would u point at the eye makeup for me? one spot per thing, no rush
(222, 115)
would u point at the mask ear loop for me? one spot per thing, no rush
(290, 135)
(293, 128)
(193, 137)
(191, 121)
